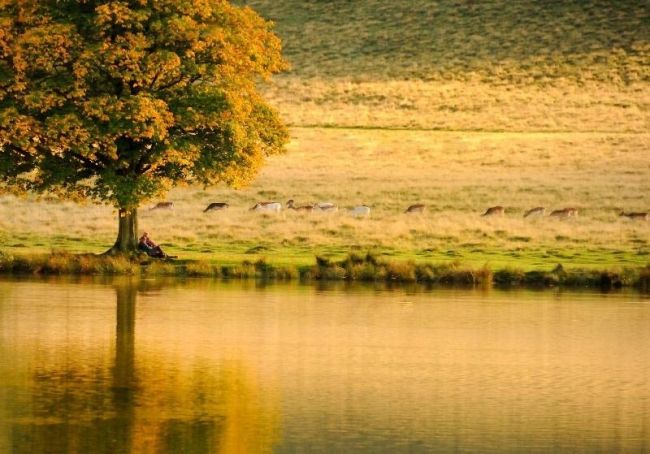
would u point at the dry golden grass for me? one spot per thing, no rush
(456, 174)
(469, 105)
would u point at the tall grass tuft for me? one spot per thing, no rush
(643, 281)
(157, 268)
(60, 263)
(117, 265)
(509, 277)
(201, 268)
(267, 271)
(369, 268)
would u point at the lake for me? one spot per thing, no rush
(210, 367)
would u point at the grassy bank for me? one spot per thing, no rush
(361, 268)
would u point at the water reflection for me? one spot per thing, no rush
(123, 372)
(73, 402)
(201, 367)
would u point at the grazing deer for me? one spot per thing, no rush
(494, 211)
(537, 211)
(360, 211)
(636, 216)
(269, 207)
(292, 206)
(216, 206)
(162, 206)
(417, 208)
(327, 207)
(564, 213)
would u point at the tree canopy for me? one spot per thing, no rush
(118, 101)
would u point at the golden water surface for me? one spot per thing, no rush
(205, 367)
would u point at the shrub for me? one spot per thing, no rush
(509, 277)
(367, 272)
(541, 279)
(401, 271)
(158, 268)
(484, 276)
(425, 273)
(6, 262)
(331, 272)
(58, 263)
(643, 281)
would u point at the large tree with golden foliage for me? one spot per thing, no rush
(118, 101)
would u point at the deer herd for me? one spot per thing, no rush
(563, 213)
(364, 210)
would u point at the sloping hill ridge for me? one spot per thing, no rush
(519, 41)
(480, 65)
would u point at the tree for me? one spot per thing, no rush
(118, 101)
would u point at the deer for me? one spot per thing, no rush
(360, 211)
(162, 206)
(417, 208)
(564, 213)
(292, 206)
(216, 206)
(269, 207)
(537, 211)
(494, 211)
(635, 216)
(327, 207)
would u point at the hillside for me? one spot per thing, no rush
(606, 40)
(459, 64)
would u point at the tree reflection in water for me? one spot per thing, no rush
(133, 406)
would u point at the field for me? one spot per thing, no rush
(456, 104)
(457, 175)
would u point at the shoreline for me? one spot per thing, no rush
(354, 268)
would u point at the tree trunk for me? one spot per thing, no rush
(127, 234)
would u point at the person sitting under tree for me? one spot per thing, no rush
(147, 245)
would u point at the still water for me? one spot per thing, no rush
(204, 367)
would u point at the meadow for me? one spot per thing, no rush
(457, 175)
(455, 104)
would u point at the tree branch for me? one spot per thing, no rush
(177, 81)
(89, 163)
(155, 79)
(14, 149)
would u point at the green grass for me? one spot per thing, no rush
(525, 41)
(231, 253)
(524, 256)
(464, 65)
(225, 260)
